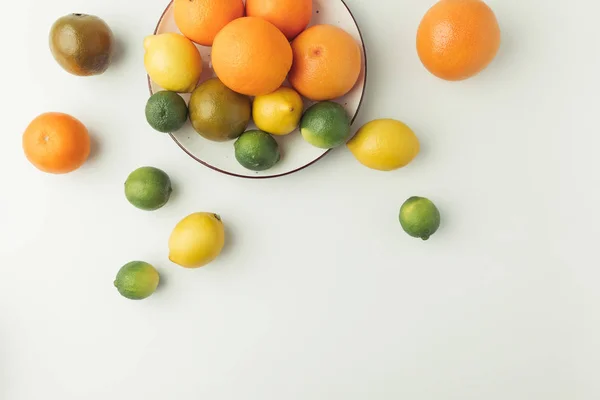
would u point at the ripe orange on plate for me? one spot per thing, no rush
(56, 143)
(290, 16)
(251, 56)
(327, 63)
(201, 20)
(457, 39)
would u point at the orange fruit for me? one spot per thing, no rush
(327, 63)
(457, 39)
(251, 56)
(56, 143)
(290, 16)
(201, 20)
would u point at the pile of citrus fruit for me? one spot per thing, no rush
(267, 63)
(267, 60)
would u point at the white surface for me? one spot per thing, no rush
(297, 153)
(319, 295)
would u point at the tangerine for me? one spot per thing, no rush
(56, 143)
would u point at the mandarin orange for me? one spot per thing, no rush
(56, 143)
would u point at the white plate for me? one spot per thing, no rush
(296, 153)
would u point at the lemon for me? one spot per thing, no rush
(173, 62)
(278, 113)
(384, 145)
(197, 240)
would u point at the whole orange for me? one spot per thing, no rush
(327, 63)
(201, 20)
(56, 143)
(251, 56)
(457, 39)
(290, 16)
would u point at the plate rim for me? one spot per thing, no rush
(217, 169)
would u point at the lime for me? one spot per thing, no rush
(137, 280)
(278, 113)
(197, 240)
(217, 112)
(384, 145)
(325, 125)
(148, 188)
(419, 217)
(256, 150)
(166, 111)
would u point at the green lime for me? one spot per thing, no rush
(325, 125)
(419, 217)
(166, 111)
(148, 188)
(218, 113)
(256, 150)
(137, 280)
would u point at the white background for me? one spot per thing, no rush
(319, 293)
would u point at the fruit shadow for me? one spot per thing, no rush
(95, 148)
(118, 52)
(230, 240)
(175, 190)
(164, 279)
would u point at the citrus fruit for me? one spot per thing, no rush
(278, 113)
(197, 240)
(457, 39)
(256, 150)
(384, 145)
(251, 56)
(137, 280)
(325, 125)
(290, 16)
(201, 20)
(81, 44)
(217, 112)
(327, 63)
(148, 188)
(419, 217)
(56, 143)
(166, 111)
(173, 62)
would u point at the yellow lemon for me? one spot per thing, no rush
(278, 113)
(384, 145)
(197, 240)
(173, 62)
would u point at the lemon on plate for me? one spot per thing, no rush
(384, 145)
(173, 62)
(278, 113)
(197, 240)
